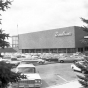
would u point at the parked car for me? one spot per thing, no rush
(70, 59)
(14, 61)
(6, 58)
(76, 67)
(33, 79)
(33, 61)
(41, 61)
(52, 59)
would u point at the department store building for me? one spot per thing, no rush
(60, 40)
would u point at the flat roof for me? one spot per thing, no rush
(48, 30)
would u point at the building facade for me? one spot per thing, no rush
(15, 44)
(15, 41)
(61, 40)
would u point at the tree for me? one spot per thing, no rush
(85, 28)
(83, 80)
(3, 36)
(4, 4)
(6, 75)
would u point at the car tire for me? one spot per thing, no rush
(72, 68)
(40, 62)
(18, 63)
(61, 61)
(83, 72)
(75, 61)
(49, 60)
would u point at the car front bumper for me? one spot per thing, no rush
(38, 85)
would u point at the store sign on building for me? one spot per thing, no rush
(64, 33)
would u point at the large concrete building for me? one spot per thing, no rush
(66, 40)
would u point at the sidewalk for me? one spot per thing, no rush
(72, 84)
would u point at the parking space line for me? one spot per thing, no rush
(61, 78)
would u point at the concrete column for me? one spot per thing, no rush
(83, 49)
(76, 49)
(66, 50)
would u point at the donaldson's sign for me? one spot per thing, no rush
(57, 34)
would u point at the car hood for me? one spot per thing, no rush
(15, 61)
(33, 76)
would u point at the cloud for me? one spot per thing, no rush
(85, 6)
(36, 15)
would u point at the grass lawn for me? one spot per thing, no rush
(57, 73)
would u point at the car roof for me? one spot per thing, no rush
(30, 59)
(25, 65)
(27, 59)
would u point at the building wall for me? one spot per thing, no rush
(15, 41)
(47, 39)
(79, 35)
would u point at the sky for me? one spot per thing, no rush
(27, 16)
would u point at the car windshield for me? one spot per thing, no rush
(6, 57)
(14, 59)
(24, 62)
(26, 69)
(81, 63)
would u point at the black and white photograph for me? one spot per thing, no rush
(43, 43)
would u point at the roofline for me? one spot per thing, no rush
(47, 30)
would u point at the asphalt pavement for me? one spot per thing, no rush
(72, 84)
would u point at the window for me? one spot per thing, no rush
(15, 42)
(26, 51)
(38, 50)
(31, 50)
(86, 48)
(15, 38)
(80, 49)
(45, 50)
(23, 50)
(26, 69)
(62, 50)
(68, 50)
(73, 50)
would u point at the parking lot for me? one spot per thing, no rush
(56, 73)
